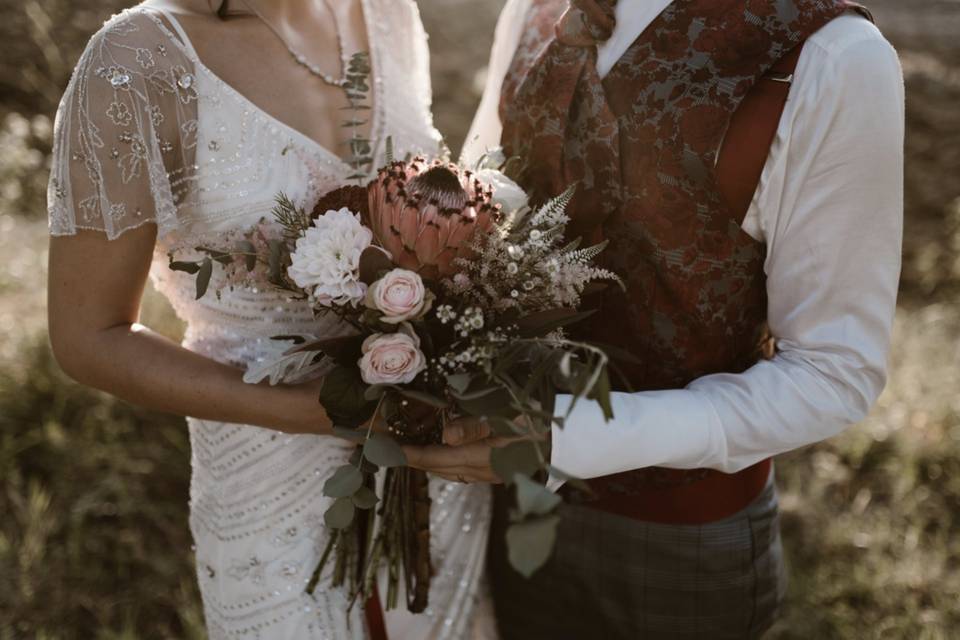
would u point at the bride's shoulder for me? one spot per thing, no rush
(138, 38)
(132, 54)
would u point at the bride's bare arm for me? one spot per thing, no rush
(95, 288)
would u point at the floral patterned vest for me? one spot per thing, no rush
(643, 144)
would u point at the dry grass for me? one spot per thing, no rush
(95, 543)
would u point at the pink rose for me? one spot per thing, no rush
(400, 295)
(392, 358)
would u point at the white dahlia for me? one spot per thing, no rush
(326, 260)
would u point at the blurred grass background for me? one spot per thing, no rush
(94, 540)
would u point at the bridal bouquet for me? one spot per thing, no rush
(457, 294)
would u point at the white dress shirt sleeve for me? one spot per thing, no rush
(830, 209)
(486, 128)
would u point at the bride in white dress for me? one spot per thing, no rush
(178, 129)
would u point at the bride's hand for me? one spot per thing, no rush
(465, 456)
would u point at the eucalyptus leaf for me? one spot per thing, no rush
(344, 482)
(533, 498)
(187, 267)
(203, 277)
(459, 382)
(516, 458)
(601, 393)
(366, 467)
(342, 396)
(530, 543)
(365, 498)
(340, 514)
(382, 450)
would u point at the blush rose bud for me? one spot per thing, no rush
(392, 358)
(400, 296)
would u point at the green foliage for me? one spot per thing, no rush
(343, 397)
(95, 541)
(357, 88)
(340, 514)
(517, 458)
(294, 220)
(383, 451)
(530, 543)
(533, 498)
(344, 482)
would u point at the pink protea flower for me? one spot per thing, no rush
(426, 214)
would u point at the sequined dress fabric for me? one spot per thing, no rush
(146, 133)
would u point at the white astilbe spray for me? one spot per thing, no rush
(523, 264)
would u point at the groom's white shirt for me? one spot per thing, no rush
(829, 208)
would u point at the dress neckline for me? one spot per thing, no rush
(182, 40)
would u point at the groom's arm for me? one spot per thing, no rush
(832, 274)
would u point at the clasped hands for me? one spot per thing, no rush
(464, 455)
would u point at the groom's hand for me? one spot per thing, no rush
(465, 454)
(465, 463)
(466, 430)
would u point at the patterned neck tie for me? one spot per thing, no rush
(559, 123)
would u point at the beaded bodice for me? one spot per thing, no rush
(148, 134)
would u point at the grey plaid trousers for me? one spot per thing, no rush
(614, 577)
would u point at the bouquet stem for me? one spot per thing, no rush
(405, 535)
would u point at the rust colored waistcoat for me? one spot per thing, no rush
(643, 143)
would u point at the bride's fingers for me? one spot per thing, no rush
(440, 458)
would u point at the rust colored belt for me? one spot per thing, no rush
(670, 496)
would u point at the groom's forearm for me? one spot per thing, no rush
(725, 422)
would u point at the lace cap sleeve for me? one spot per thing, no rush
(123, 128)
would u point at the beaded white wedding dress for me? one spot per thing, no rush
(147, 134)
